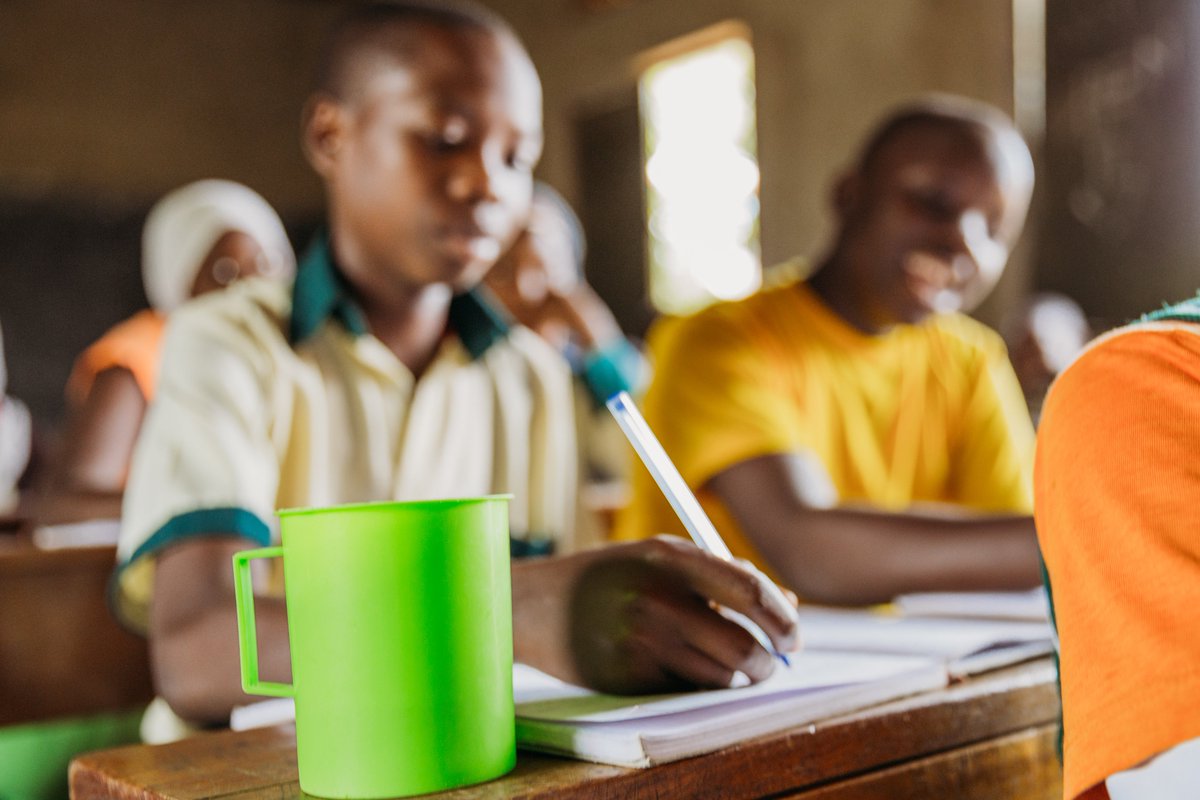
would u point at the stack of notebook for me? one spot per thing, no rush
(851, 660)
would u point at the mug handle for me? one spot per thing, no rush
(243, 592)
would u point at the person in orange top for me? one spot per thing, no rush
(854, 434)
(197, 239)
(1115, 490)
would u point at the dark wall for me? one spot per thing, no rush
(104, 107)
(1122, 151)
(68, 271)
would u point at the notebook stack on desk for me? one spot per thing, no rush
(556, 717)
(967, 645)
(852, 659)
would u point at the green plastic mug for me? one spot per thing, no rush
(400, 624)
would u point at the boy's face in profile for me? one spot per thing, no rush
(928, 228)
(429, 166)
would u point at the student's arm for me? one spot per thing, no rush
(843, 555)
(203, 484)
(638, 617)
(586, 315)
(89, 479)
(194, 633)
(628, 618)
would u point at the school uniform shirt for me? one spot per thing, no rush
(928, 413)
(1116, 483)
(271, 397)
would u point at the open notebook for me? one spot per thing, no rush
(1031, 605)
(852, 659)
(967, 646)
(557, 717)
(642, 731)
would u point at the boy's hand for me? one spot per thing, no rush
(639, 617)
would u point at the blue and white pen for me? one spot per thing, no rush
(676, 490)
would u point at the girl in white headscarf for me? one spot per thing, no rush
(197, 239)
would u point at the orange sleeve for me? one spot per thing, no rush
(133, 345)
(1117, 485)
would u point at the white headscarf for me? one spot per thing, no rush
(3, 366)
(16, 436)
(183, 227)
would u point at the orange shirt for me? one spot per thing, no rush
(133, 345)
(1117, 483)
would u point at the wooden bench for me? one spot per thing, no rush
(62, 654)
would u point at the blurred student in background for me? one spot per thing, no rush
(540, 282)
(1043, 335)
(197, 239)
(856, 434)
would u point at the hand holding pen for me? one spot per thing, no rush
(685, 504)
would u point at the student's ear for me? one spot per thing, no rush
(323, 129)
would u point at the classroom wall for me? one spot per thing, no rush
(127, 99)
(826, 69)
(1123, 155)
(105, 106)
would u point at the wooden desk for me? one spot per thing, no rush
(991, 738)
(61, 652)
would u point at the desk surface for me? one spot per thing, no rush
(61, 652)
(990, 738)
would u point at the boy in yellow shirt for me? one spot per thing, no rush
(854, 433)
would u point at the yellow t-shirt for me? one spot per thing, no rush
(928, 413)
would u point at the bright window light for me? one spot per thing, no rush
(701, 176)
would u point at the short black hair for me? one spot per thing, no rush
(386, 30)
(934, 111)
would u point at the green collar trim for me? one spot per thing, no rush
(1187, 311)
(321, 292)
(478, 325)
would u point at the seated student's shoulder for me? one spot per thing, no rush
(1155, 356)
(756, 322)
(249, 317)
(966, 337)
(521, 342)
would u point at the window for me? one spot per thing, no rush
(698, 127)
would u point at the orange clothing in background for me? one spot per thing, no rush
(134, 345)
(1117, 482)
